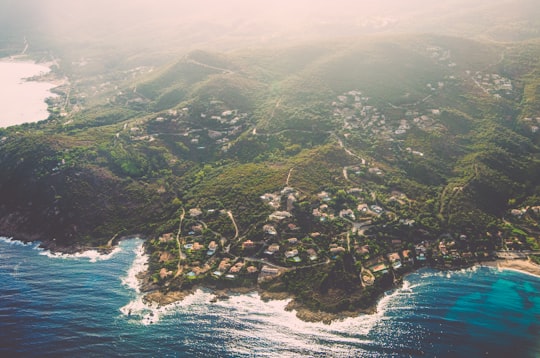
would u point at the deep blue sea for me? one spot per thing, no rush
(80, 306)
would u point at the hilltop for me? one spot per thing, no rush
(325, 170)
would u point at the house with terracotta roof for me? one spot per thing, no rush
(272, 249)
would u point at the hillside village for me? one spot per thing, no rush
(376, 230)
(369, 192)
(213, 129)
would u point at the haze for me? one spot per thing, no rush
(222, 25)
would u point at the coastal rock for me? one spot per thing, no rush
(166, 298)
(268, 296)
(308, 315)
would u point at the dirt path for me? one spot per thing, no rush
(278, 102)
(224, 70)
(345, 174)
(234, 223)
(289, 177)
(110, 242)
(181, 255)
(340, 142)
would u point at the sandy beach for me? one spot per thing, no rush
(525, 266)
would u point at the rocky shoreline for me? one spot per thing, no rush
(166, 298)
(307, 315)
(154, 294)
(54, 247)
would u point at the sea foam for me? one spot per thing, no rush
(140, 264)
(137, 307)
(13, 242)
(92, 255)
(241, 308)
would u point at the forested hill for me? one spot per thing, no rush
(450, 123)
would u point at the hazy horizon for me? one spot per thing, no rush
(235, 23)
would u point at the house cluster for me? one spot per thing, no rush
(395, 260)
(288, 250)
(224, 124)
(72, 97)
(229, 268)
(217, 126)
(275, 201)
(448, 249)
(441, 55)
(354, 110)
(532, 123)
(322, 211)
(520, 212)
(426, 121)
(494, 84)
(280, 233)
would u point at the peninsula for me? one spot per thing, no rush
(319, 174)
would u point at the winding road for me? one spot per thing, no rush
(181, 255)
(230, 214)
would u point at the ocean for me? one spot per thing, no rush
(89, 305)
(22, 101)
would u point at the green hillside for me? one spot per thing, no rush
(334, 155)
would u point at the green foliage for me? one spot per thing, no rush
(99, 117)
(132, 158)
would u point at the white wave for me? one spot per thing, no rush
(92, 255)
(13, 242)
(242, 308)
(145, 312)
(273, 313)
(140, 264)
(268, 321)
(148, 312)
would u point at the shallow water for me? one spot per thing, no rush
(90, 305)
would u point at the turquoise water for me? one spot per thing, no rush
(89, 306)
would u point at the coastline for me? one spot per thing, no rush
(77, 248)
(164, 299)
(524, 266)
(29, 80)
(152, 294)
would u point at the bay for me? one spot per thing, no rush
(22, 101)
(89, 305)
